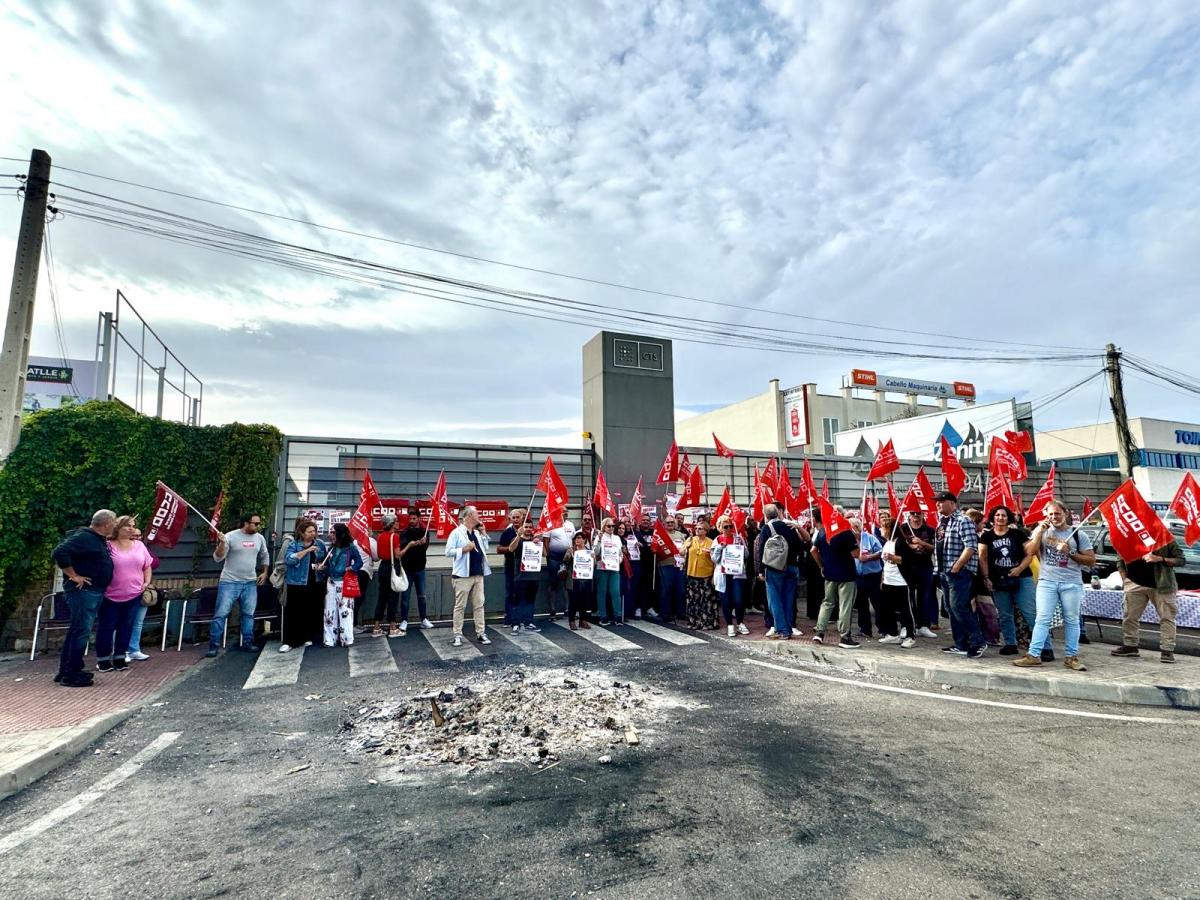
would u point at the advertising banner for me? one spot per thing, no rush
(968, 431)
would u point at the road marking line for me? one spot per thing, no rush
(533, 642)
(440, 640)
(275, 669)
(1055, 710)
(91, 795)
(602, 638)
(372, 656)
(670, 635)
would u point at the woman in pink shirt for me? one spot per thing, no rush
(118, 609)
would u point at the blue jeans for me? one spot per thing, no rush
(608, 588)
(526, 599)
(115, 618)
(1008, 601)
(416, 582)
(670, 592)
(964, 624)
(629, 585)
(1049, 595)
(84, 604)
(139, 619)
(733, 601)
(781, 596)
(246, 595)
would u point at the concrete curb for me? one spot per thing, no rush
(78, 738)
(1069, 687)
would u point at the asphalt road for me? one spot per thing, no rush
(776, 785)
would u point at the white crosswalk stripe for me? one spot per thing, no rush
(371, 656)
(678, 638)
(273, 669)
(602, 638)
(440, 640)
(533, 642)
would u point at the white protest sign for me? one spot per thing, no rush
(733, 560)
(610, 553)
(531, 556)
(583, 567)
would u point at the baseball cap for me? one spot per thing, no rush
(945, 495)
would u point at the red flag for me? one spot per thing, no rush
(1088, 508)
(1037, 508)
(693, 490)
(724, 506)
(806, 482)
(1133, 527)
(554, 488)
(824, 488)
(784, 495)
(886, 462)
(1020, 441)
(893, 502)
(685, 470)
(739, 518)
(360, 522)
(440, 516)
(602, 498)
(952, 470)
(1002, 458)
(170, 515)
(835, 523)
(661, 540)
(670, 467)
(214, 523)
(770, 475)
(1186, 505)
(722, 450)
(636, 502)
(1020, 507)
(762, 496)
(869, 511)
(999, 493)
(931, 514)
(920, 498)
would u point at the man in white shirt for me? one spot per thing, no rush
(558, 541)
(468, 547)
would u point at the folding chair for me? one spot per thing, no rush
(205, 608)
(53, 614)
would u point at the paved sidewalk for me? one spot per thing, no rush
(42, 724)
(1143, 681)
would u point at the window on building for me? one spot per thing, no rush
(863, 423)
(1189, 460)
(829, 428)
(1159, 460)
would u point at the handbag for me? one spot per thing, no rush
(351, 589)
(399, 579)
(279, 570)
(149, 597)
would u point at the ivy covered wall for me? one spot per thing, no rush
(71, 462)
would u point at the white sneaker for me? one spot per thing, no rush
(516, 629)
(308, 643)
(284, 648)
(924, 632)
(907, 643)
(637, 613)
(404, 628)
(890, 639)
(139, 656)
(742, 629)
(903, 633)
(652, 613)
(770, 631)
(484, 639)
(531, 627)
(817, 639)
(457, 640)
(425, 623)
(730, 631)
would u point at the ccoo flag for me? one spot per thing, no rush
(1186, 505)
(170, 515)
(886, 462)
(722, 450)
(1134, 529)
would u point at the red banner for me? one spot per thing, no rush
(685, 471)
(770, 475)
(661, 541)
(1186, 505)
(1037, 508)
(806, 482)
(636, 502)
(724, 506)
(168, 519)
(886, 462)
(920, 498)
(360, 522)
(1003, 458)
(670, 468)
(1134, 529)
(722, 450)
(442, 521)
(833, 521)
(893, 502)
(1020, 441)
(999, 493)
(602, 498)
(555, 489)
(952, 469)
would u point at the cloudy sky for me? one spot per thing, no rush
(1023, 171)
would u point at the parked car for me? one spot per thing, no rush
(1188, 575)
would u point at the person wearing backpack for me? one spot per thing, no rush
(837, 558)
(777, 552)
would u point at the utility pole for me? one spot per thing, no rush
(1127, 451)
(18, 326)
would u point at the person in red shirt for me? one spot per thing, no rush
(388, 542)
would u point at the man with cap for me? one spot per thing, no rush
(956, 540)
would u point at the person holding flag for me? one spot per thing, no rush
(1006, 569)
(245, 557)
(956, 562)
(670, 568)
(835, 551)
(700, 594)
(414, 555)
(1063, 553)
(914, 540)
(609, 553)
(730, 558)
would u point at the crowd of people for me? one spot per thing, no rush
(998, 582)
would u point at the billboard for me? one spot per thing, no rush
(795, 417)
(896, 384)
(54, 383)
(968, 430)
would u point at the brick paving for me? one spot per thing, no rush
(30, 700)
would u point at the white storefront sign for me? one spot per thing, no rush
(795, 417)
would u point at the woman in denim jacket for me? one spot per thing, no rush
(343, 558)
(305, 587)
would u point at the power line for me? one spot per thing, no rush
(534, 269)
(182, 229)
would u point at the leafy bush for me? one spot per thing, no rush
(71, 462)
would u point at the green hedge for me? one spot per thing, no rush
(71, 462)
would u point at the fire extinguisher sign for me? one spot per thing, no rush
(795, 417)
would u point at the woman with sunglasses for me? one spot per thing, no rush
(700, 596)
(730, 558)
(610, 553)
